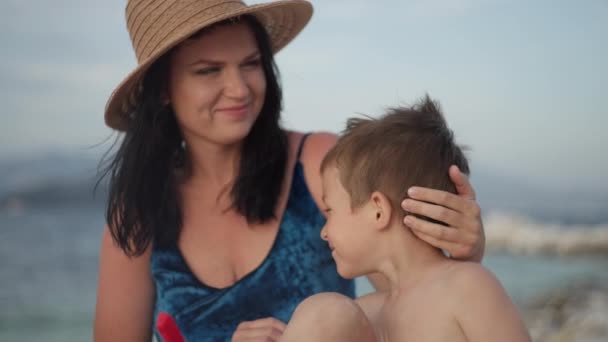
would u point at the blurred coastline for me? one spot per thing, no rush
(551, 259)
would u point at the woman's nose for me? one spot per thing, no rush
(236, 85)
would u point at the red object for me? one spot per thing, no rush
(168, 329)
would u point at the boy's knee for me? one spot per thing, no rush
(329, 306)
(329, 317)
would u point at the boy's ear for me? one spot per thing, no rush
(380, 210)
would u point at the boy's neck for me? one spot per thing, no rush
(408, 260)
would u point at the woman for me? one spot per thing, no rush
(213, 220)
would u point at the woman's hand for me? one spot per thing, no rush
(265, 329)
(464, 238)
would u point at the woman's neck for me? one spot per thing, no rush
(212, 163)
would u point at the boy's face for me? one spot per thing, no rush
(346, 230)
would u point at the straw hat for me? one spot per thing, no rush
(156, 26)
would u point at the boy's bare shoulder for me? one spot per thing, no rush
(461, 270)
(479, 296)
(470, 277)
(482, 307)
(465, 302)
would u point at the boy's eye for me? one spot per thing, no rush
(327, 210)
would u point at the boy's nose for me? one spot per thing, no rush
(324, 234)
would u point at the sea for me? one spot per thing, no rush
(51, 224)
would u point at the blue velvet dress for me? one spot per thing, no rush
(299, 265)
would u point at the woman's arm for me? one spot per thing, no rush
(125, 295)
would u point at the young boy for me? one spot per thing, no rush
(431, 297)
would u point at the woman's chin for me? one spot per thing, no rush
(233, 135)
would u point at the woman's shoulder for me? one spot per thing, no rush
(311, 148)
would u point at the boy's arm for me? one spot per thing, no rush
(483, 309)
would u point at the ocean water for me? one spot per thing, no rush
(48, 265)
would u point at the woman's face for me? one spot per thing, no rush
(217, 85)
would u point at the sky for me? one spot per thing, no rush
(522, 83)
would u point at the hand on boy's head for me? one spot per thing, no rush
(463, 237)
(461, 181)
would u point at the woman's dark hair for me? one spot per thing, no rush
(143, 201)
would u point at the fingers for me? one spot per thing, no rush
(462, 228)
(461, 181)
(460, 245)
(435, 212)
(269, 321)
(464, 238)
(444, 199)
(466, 242)
(445, 235)
(266, 329)
(257, 334)
(456, 250)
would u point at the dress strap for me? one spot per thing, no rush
(302, 141)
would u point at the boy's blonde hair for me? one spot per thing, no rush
(405, 147)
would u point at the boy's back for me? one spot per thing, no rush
(455, 301)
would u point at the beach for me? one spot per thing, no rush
(50, 233)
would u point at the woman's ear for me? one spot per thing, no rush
(381, 210)
(165, 98)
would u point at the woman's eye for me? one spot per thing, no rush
(254, 63)
(207, 71)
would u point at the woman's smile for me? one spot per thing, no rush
(237, 112)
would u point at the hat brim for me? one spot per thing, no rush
(283, 20)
